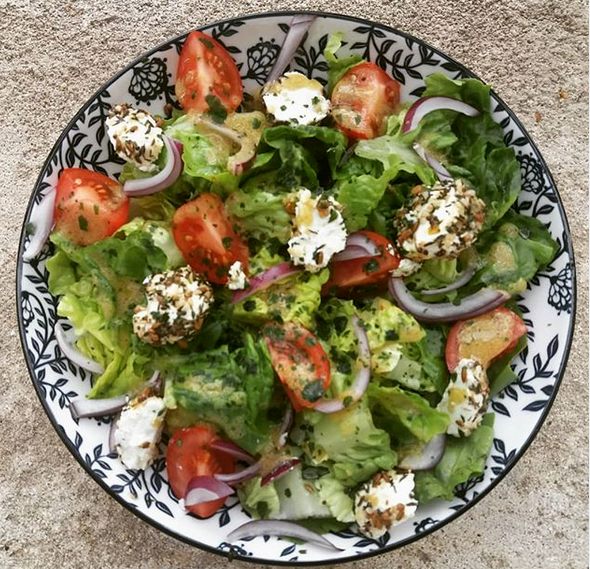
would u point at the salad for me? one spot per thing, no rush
(305, 297)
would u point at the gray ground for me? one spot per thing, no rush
(53, 55)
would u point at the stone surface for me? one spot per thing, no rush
(54, 55)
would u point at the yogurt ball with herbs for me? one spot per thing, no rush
(466, 398)
(440, 221)
(383, 502)
(318, 231)
(135, 136)
(294, 98)
(138, 431)
(177, 302)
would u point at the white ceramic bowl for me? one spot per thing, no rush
(548, 305)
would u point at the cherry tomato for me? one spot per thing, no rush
(188, 455)
(206, 69)
(364, 270)
(300, 362)
(484, 338)
(204, 234)
(362, 99)
(89, 206)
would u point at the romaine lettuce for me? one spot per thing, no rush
(479, 153)
(99, 286)
(232, 390)
(512, 253)
(260, 214)
(400, 412)
(462, 459)
(295, 298)
(347, 442)
(337, 66)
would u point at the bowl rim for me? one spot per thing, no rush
(229, 554)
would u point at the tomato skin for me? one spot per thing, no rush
(188, 455)
(206, 68)
(300, 362)
(204, 234)
(362, 99)
(485, 337)
(89, 206)
(364, 270)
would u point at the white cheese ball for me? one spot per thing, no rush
(405, 268)
(236, 278)
(318, 231)
(138, 432)
(177, 302)
(296, 99)
(440, 221)
(383, 502)
(135, 136)
(466, 398)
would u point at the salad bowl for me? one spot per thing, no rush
(547, 306)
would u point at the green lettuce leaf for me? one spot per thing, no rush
(294, 156)
(260, 214)
(462, 459)
(298, 498)
(479, 153)
(99, 285)
(347, 442)
(232, 390)
(295, 299)
(512, 253)
(334, 495)
(399, 412)
(362, 181)
(204, 156)
(337, 66)
(259, 501)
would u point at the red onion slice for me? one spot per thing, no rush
(82, 407)
(232, 449)
(70, 352)
(286, 425)
(163, 179)
(426, 105)
(478, 303)
(202, 489)
(441, 172)
(361, 381)
(41, 222)
(265, 279)
(351, 252)
(463, 278)
(280, 528)
(429, 457)
(357, 247)
(240, 476)
(280, 470)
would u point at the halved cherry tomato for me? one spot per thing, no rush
(205, 69)
(89, 206)
(300, 362)
(205, 236)
(362, 99)
(364, 270)
(188, 455)
(484, 338)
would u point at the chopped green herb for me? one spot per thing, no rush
(82, 223)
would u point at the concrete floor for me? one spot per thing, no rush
(53, 55)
